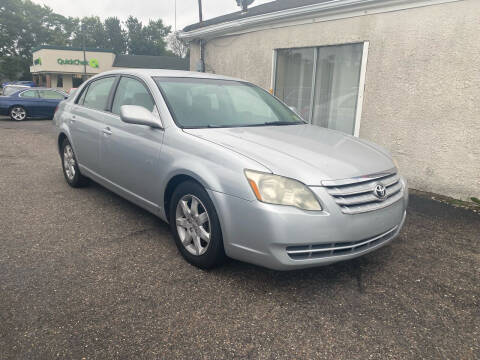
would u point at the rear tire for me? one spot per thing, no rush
(70, 166)
(195, 226)
(18, 113)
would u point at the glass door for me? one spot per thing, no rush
(336, 86)
(321, 83)
(294, 74)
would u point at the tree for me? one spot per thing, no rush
(177, 45)
(156, 33)
(92, 28)
(146, 40)
(25, 25)
(136, 43)
(116, 36)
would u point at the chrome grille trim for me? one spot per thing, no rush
(350, 210)
(359, 179)
(355, 198)
(362, 188)
(338, 249)
(368, 197)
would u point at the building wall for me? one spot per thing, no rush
(422, 84)
(67, 82)
(49, 58)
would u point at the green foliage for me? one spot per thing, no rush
(116, 36)
(25, 25)
(147, 40)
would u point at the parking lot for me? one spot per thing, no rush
(85, 274)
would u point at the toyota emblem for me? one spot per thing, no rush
(380, 191)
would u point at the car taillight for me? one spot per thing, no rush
(56, 108)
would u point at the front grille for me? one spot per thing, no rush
(336, 249)
(357, 195)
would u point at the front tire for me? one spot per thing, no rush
(18, 113)
(70, 166)
(195, 226)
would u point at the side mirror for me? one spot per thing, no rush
(133, 114)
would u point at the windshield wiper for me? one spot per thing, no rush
(268, 123)
(279, 123)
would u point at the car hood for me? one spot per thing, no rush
(305, 152)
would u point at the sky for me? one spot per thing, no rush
(187, 10)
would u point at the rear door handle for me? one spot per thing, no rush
(107, 131)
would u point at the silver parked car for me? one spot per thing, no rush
(233, 170)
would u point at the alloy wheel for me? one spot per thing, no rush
(69, 162)
(193, 224)
(18, 113)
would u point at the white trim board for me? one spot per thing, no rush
(361, 89)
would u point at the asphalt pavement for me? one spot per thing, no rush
(85, 274)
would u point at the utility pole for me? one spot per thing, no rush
(202, 43)
(83, 48)
(200, 17)
(175, 15)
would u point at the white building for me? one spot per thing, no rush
(402, 73)
(67, 67)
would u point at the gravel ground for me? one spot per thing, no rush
(85, 274)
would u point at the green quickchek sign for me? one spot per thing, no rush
(92, 62)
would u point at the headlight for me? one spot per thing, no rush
(279, 190)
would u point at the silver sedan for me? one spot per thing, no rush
(232, 169)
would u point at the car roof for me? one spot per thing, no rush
(168, 73)
(43, 88)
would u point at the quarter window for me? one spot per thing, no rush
(96, 96)
(131, 92)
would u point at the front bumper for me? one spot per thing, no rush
(287, 238)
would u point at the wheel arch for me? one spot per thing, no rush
(61, 137)
(172, 184)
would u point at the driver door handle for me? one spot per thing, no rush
(107, 131)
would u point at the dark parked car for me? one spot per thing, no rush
(31, 103)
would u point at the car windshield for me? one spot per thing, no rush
(203, 103)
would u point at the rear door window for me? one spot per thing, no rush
(29, 94)
(96, 96)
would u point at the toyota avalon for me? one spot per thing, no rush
(234, 171)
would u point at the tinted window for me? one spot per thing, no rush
(50, 94)
(131, 92)
(97, 93)
(29, 94)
